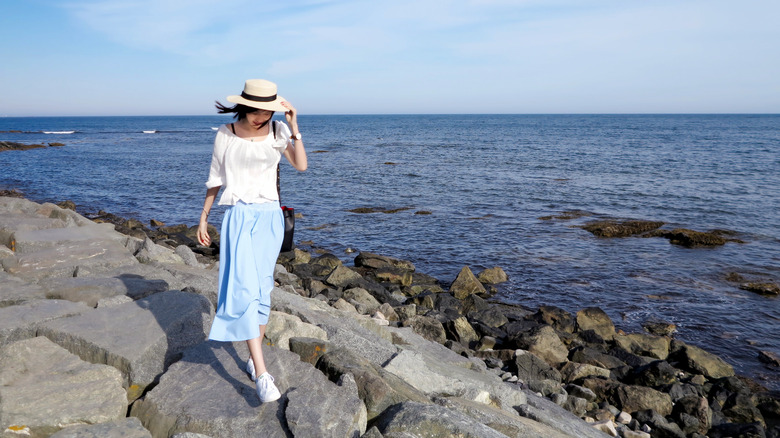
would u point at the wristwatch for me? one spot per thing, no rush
(296, 136)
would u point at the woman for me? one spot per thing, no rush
(244, 163)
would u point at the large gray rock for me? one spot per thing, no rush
(412, 419)
(377, 388)
(632, 398)
(593, 318)
(125, 428)
(510, 424)
(407, 339)
(281, 327)
(14, 290)
(150, 252)
(43, 387)
(546, 412)
(531, 367)
(363, 337)
(140, 338)
(23, 321)
(342, 276)
(434, 378)
(643, 344)
(699, 361)
(69, 257)
(208, 392)
(545, 343)
(30, 241)
(466, 284)
(195, 279)
(90, 290)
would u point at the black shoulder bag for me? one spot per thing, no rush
(288, 212)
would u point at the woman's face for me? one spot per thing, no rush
(258, 118)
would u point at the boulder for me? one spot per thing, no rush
(43, 388)
(693, 239)
(556, 317)
(494, 275)
(644, 344)
(544, 342)
(392, 275)
(655, 374)
(363, 301)
(14, 290)
(631, 398)
(593, 318)
(592, 357)
(761, 288)
(436, 378)
(342, 276)
(23, 321)
(208, 392)
(416, 419)
(531, 367)
(140, 339)
(466, 284)
(491, 317)
(427, 327)
(377, 388)
(573, 371)
(281, 327)
(698, 361)
(308, 349)
(151, 252)
(460, 330)
(187, 256)
(125, 428)
(696, 408)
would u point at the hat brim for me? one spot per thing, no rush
(274, 105)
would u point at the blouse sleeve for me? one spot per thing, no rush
(217, 171)
(282, 136)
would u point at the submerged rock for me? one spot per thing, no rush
(615, 228)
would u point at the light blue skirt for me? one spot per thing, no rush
(249, 246)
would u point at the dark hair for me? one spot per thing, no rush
(239, 111)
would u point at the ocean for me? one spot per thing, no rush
(447, 191)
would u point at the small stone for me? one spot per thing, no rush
(606, 426)
(623, 417)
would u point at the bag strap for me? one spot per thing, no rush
(278, 173)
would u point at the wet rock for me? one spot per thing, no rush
(655, 374)
(696, 408)
(740, 408)
(593, 318)
(593, 357)
(762, 288)
(659, 328)
(43, 388)
(376, 261)
(693, 239)
(494, 275)
(466, 284)
(394, 275)
(731, 430)
(614, 228)
(770, 358)
(699, 361)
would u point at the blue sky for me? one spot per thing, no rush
(161, 57)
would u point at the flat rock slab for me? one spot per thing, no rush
(140, 338)
(14, 290)
(208, 392)
(90, 290)
(546, 412)
(124, 428)
(43, 387)
(64, 260)
(411, 419)
(23, 321)
(29, 241)
(440, 379)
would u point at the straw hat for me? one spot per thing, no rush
(260, 94)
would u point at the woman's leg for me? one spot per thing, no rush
(256, 351)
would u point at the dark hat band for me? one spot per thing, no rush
(258, 98)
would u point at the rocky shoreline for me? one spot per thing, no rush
(103, 324)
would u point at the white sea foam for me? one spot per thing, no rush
(58, 132)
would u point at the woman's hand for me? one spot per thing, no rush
(203, 233)
(291, 114)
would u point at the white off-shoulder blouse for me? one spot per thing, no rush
(246, 169)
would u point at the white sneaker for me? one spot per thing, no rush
(266, 389)
(250, 368)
